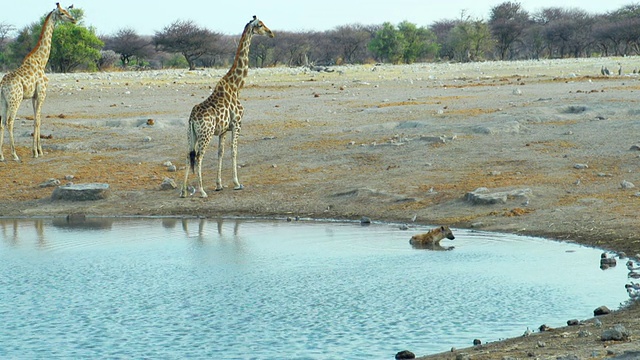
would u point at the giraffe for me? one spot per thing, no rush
(221, 112)
(29, 82)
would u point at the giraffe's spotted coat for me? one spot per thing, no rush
(220, 113)
(29, 82)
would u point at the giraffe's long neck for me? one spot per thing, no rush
(238, 72)
(39, 56)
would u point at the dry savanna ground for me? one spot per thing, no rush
(388, 142)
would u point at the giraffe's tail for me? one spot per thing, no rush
(193, 145)
(192, 160)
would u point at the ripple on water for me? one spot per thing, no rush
(178, 288)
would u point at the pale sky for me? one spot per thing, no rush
(230, 16)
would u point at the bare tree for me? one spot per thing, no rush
(443, 31)
(569, 31)
(508, 22)
(350, 42)
(188, 39)
(5, 30)
(128, 44)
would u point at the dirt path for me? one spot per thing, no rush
(551, 141)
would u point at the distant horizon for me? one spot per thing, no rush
(109, 17)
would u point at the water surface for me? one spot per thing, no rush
(248, 289)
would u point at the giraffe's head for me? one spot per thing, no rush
(62, 14)
(259, 28)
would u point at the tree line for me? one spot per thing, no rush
(510, 33)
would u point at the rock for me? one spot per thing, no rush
(626, 184)
(81, 192)
(628, 355)
(581, 166)
(635, 147)
(602, 310)
(584, 333)
(146, 139)
(568, 357)
(168, 184)
(365, 220)
(76, 218)
(482, 196)
(573, 322)
(477, 342)
(50, 183)
(405, 354)
(499, 127)
(172, 168)
(618, 333)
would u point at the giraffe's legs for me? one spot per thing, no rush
(199, 171)
(11, 115)
(184, 192)
(234, 161)
(3, 118)
(37, 101)
(220, 156)
(8, 112)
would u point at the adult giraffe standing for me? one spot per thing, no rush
(221, 112)
(29, 82)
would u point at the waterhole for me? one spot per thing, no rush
(252, 289)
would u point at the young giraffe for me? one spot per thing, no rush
(221, 112)
(29, 82)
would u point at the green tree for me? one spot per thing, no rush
(25, 41)
(72, 45)
(417, 42)
(471, 39)
(387, 44)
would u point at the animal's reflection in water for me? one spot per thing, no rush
(201, 225)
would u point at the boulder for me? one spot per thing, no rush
(602, 310)
(81, 192)
(405, 354)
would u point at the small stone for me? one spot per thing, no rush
(405, 354)
(573, 322)
(602, 310)
(477, 342)
(584, 333)
(581, 166)
(172, 168)
(50, 183)
(365, 220)
(167, 163)
(626, 184)
(69, 177)
(541, 344)
(146, 139)
(618, 333)
(168, 184)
